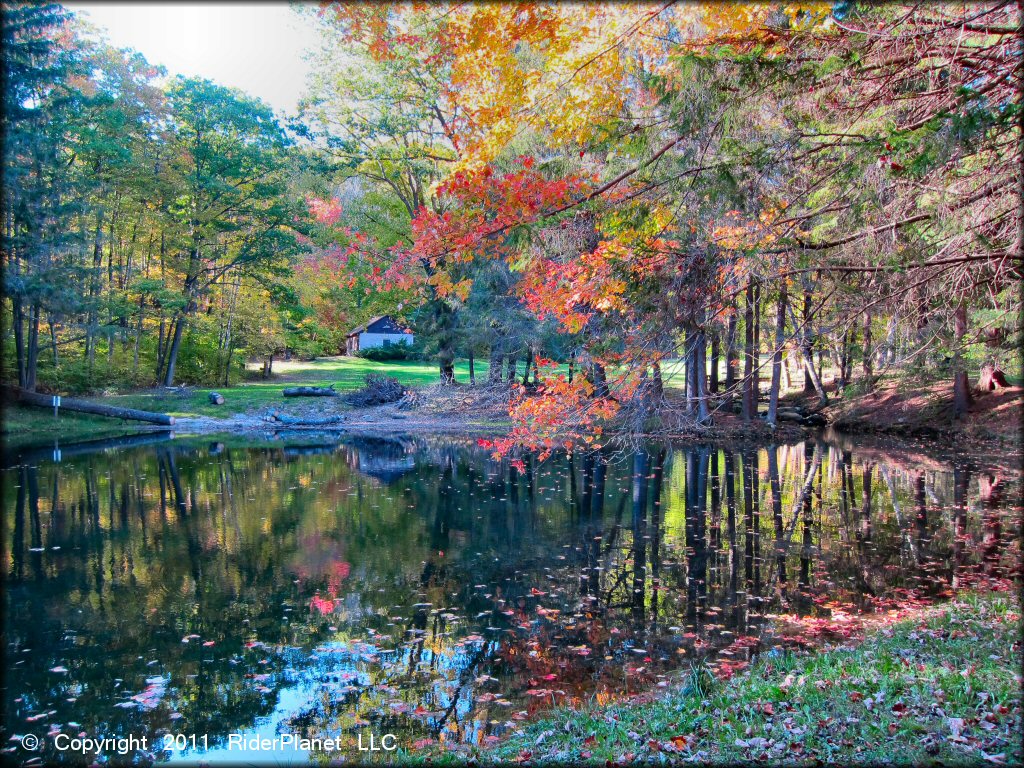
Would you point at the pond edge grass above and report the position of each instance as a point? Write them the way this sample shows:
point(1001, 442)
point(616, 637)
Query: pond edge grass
point(941, 685)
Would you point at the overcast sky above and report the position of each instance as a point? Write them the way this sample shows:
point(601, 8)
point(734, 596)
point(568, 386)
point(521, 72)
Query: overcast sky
point(256, 47)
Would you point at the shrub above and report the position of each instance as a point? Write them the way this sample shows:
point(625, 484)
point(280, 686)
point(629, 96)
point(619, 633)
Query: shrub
point(391, 352)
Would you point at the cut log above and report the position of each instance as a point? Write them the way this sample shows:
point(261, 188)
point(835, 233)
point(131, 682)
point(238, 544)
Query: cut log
point(991, 377)
point(83, 406)
point(216, 398)
point(310, 392)
point(294, 421)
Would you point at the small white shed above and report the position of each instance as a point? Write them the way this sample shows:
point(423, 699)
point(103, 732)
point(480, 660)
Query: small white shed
point(382, 331)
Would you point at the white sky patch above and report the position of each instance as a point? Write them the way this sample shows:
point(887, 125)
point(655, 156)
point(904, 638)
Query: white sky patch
point(256, 47)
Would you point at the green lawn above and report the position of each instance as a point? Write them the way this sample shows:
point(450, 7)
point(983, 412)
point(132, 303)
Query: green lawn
point(942, 687)
point(345, 373)
point(26, 426)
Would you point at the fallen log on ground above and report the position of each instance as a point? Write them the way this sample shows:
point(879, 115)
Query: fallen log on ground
point(84, 406)
point(216, 398)
point(310, 392)
point(294, 421)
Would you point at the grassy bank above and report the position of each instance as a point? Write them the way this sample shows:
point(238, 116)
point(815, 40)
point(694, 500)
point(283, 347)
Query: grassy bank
point(26, 426)
point(943, 685)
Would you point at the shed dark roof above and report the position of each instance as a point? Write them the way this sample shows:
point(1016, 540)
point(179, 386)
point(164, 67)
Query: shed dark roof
point(381, 324)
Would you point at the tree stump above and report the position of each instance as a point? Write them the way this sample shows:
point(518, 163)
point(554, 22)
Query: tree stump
point(991, 377)
point(216, 398)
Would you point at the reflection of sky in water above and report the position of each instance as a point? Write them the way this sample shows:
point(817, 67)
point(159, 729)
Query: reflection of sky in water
point(421, 588)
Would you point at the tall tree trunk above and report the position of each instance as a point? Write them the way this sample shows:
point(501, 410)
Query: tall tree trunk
point(780, 339)
point(690, 375)
point(32, 353)
point(494, 369)
point(472, 368)
point(138, 336)
point(713, 383)
point(446, 363)
point(227, 367)
point(94, 290)
point(732, 361)
point(172, 350)
point(700, 370)
point(600, 381)
point(18, 322)
point(190, 290)
point(510, 368)
point(756, 382)
point(529, 361)
point(962, 398)
point(749, 403)
point(807, 346)
point(53, 342)
point(110, 288)
point(810, 373)
point(867, 352)
point(658, 382)
point(813, 375)
point(161, 348)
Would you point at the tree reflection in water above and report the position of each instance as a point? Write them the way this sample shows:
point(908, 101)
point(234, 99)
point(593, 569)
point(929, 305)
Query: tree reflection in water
point(425, 589)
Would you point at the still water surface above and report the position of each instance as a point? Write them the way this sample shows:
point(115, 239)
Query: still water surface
point(420, 588)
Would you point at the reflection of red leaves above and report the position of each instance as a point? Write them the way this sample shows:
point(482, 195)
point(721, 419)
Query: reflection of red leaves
point(342, 570)
point(323, 605)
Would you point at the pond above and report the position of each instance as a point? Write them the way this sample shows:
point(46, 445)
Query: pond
point(200, 594)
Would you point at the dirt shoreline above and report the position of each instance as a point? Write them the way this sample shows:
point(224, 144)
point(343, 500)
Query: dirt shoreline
point(912, 427)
